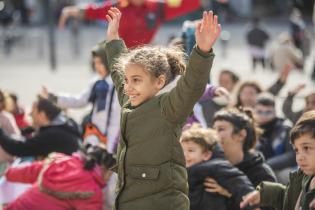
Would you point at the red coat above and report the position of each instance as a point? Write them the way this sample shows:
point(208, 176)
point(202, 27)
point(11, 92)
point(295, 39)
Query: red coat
point(60, 183)
point(139, 24)
point(20, 120)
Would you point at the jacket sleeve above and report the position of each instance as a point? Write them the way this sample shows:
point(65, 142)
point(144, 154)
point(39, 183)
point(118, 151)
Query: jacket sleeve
point(295, 55)
point(234, 180)
point(114, 49)
point(272, 194)
point(287, 109)
point(75, 101)
point(96, 11)
point(179, 102)
point(34, 146)
point(185, 7)
point(24, 174)
point(275, 88)
point(209, 93)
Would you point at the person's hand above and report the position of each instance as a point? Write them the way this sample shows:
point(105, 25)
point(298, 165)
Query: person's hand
point(251, 199)
point(221, 91)
point(66, 13)
point(284, 73)
point(207, 31)
point(44, 93)
point(212, 186)
point(113, 18)
point(297, 89)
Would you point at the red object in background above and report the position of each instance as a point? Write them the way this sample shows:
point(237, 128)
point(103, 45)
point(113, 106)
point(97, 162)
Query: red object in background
point(63, 176)
point(139, 24)
point(20, 120)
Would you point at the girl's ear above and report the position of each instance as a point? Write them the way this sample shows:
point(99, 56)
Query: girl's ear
point(242, 135)
point(161, 80)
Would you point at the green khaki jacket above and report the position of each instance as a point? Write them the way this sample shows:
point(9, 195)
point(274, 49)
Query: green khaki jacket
point(151, 165)
point(283, 197)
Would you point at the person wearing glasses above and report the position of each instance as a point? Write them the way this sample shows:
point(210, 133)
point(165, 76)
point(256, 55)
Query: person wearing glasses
point(274, 142)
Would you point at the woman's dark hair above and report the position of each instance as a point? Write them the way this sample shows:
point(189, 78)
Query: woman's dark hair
point(252, 84)
point(48, 107)
point(304, 126)
point(97, 155)
point(240, 119)
point(233, 76)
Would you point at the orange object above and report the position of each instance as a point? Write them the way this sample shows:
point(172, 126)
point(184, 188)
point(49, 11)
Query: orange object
point(92, 130)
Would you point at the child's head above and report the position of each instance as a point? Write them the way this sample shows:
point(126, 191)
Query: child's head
point(228, 79)
point(303, 140)
point(148, 69)
point(99, 60)
point(97, 155)
point(198, 144)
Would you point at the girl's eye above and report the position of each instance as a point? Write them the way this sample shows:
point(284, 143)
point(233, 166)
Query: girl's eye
point(136, 80)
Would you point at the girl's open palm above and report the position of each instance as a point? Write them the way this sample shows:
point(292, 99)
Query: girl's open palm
point(113, 18)
point(207, 31)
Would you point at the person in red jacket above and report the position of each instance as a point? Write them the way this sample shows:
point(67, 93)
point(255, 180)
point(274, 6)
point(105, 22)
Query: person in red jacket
point(140, 20)
point(63, 182)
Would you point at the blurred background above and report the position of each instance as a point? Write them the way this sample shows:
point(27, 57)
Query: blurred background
point(35, 52)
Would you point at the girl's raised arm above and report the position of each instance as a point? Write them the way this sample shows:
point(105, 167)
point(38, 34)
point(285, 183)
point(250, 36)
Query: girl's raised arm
point(178, 104)
point(114, 48)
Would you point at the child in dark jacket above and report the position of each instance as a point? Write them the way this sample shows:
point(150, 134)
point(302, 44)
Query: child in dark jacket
point(300, 191)
point(198, 145)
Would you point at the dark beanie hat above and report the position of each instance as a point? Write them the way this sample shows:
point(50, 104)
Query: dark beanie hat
point(99, 50)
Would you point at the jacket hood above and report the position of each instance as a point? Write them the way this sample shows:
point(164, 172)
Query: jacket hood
point(169, 86)
point(250, 159)
point(66, 123)
point(64, 177)
point(99, 50)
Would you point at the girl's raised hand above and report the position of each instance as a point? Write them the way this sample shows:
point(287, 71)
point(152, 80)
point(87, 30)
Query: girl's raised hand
point(113, 18)
point(207, 31)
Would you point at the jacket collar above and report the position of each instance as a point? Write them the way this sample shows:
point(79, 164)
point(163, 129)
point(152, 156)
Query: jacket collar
point(169, 86)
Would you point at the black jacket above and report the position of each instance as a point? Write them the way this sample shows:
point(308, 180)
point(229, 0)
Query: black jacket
point(275, 145)
point(255, 168)
point(60, 136)
point(225, 174)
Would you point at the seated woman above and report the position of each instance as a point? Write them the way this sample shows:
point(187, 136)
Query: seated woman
point(238, 135)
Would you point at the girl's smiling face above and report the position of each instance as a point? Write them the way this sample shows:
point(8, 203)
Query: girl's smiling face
point(140, 85)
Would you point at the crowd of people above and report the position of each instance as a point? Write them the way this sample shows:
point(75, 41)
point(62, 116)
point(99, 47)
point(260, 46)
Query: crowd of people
point(159, 135)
